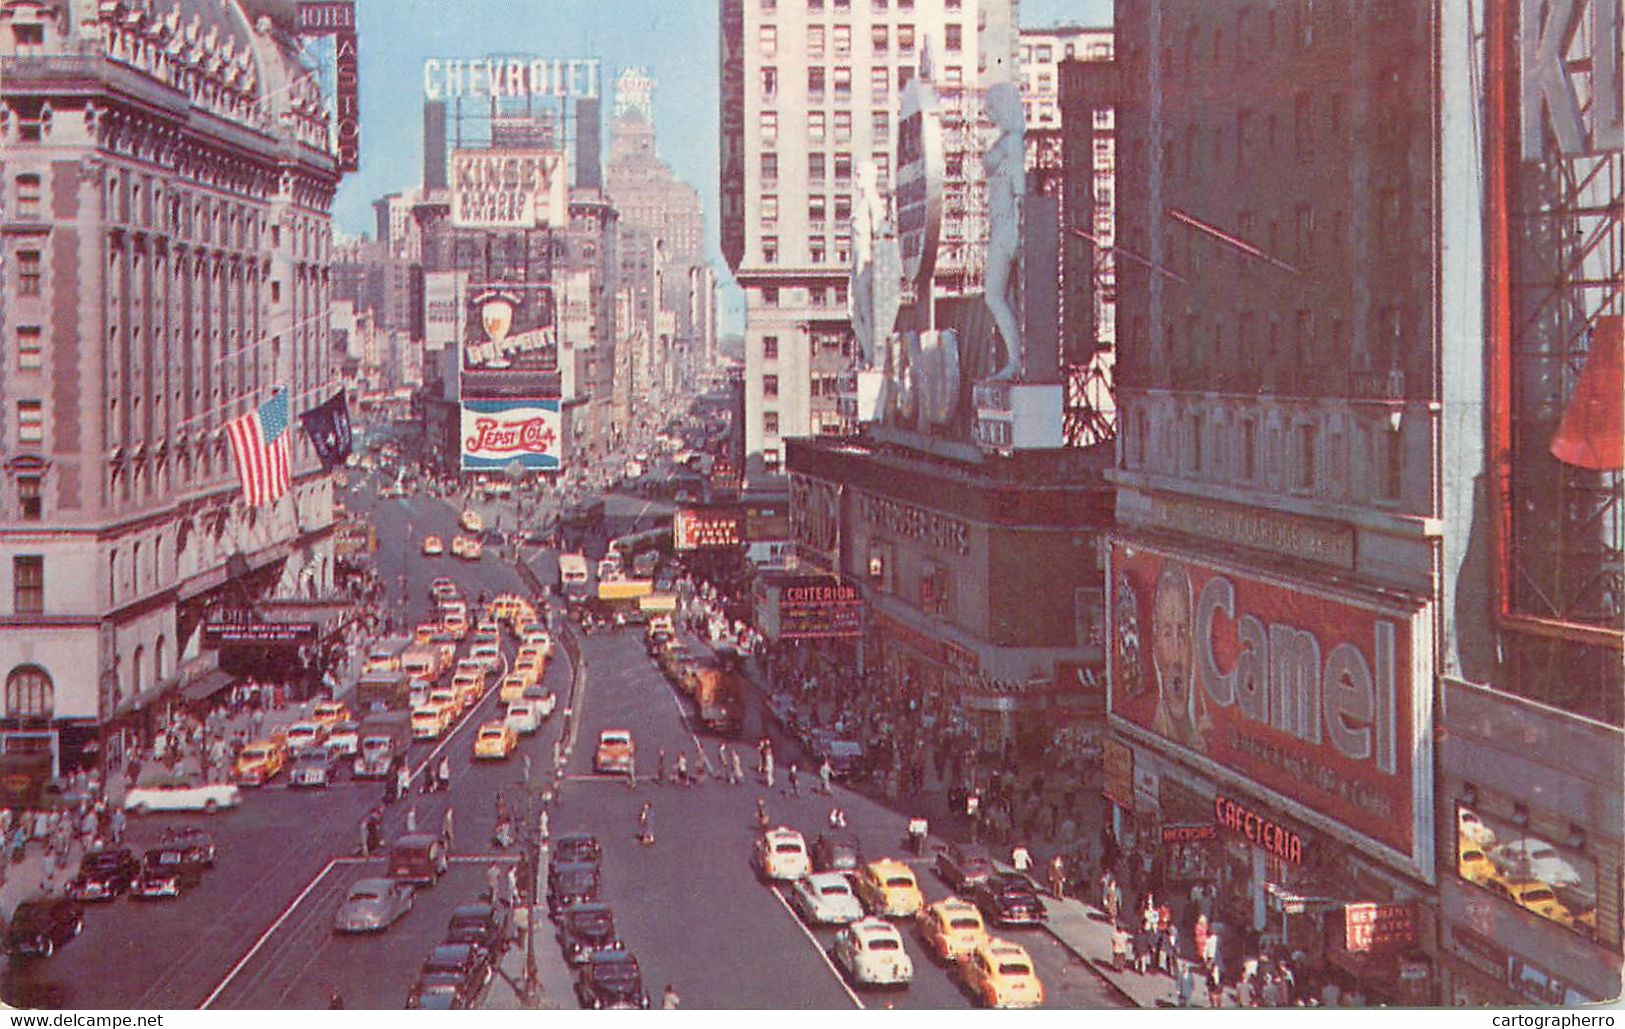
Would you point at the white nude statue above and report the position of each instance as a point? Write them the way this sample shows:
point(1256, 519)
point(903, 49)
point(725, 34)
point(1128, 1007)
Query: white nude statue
point(1005, 167)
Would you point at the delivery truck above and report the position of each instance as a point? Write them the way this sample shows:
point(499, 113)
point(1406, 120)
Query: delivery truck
point(384, 739)
point(383, 691)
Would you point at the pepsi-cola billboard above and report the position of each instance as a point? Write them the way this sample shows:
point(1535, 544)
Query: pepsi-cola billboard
point(496, 433)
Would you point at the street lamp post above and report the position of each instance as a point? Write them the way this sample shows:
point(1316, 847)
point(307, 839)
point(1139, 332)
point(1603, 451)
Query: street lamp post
point(537, 845)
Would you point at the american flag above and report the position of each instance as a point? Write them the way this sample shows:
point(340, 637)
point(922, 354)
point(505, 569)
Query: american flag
point(259, 442)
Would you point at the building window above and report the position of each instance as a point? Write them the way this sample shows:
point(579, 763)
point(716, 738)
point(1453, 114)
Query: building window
point(28, 584)
point(1393, 477)
point(882, 165)
point(1249, 450)
point(770, 348)
point(817, 248)
point(1306, 457)
point(28, 273)
point(769, 40)
point(954, 75)
point(843, 249)
point(843, 39)
point(815, 167)
point(815, 5)
point(30, 349)
point(770, 294)
point(879, 38)
point(953, 37)
point(28, 196)
point(880, 81)
point(843, 129)
point(770, 167)
point(1303, 126)
point(770, 459)
point(815, 40)
point(840, 301)
point(843, 167)
point(770, 385)
point(30, 498)
point(29, 693)
point(1045, 54)
point(770, 127)
point(905, 38)
point(816, 125)
point(770, 423)
point(843, 209)
point(770, 255)
point(770, 82)
point(769, 209)
point(30, 421)
point(29, 38)
point(880, 125)
point(815, 82)
point(843, 87)
point(816, 209)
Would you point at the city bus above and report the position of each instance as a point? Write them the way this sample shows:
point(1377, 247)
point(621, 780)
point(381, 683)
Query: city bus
point(573, 575)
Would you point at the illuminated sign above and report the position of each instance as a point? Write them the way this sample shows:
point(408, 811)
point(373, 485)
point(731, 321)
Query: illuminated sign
point(1319, 697)
point(217, 633)
point(316, 18)
point(1189, 833)
point(496, 433)
point(1378, 927)
point(511, 327)
point(696, 528)
point(336, 18)
point(1275, 838)
point(939, 530)
point(508, 189)
point(920, 168)
point(449, 78)
point(809, 608)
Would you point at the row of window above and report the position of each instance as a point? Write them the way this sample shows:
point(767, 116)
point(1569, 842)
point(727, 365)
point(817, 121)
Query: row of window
point(1044, 53)
point(818, 209)
point(817, 296)
point(879, 86)
point(839, 39)
point(846, 5)
point(819, 165)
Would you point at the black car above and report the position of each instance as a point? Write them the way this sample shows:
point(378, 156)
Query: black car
point(438, 991)
point(585, 930)
point(1006, 899)
point(962, 865)
point(480, 924)
point(105, 875)
point(837, 852)
point(39, 927)
point(577, 848)
point(468, 963)
point(198, 845)
point(567, 884)
point(611, 980)
point(165, 873)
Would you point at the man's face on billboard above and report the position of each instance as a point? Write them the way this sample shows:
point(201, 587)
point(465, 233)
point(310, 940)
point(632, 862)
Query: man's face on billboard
point(1171, 641)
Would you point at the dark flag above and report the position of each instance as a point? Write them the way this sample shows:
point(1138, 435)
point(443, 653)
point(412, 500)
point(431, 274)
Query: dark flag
point(328, 425)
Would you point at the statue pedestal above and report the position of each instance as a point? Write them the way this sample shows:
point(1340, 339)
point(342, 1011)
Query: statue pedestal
point(1014, 416)
point(860, 396)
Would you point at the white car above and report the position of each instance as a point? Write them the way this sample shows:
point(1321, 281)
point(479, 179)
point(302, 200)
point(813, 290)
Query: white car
point(178, 796)
point(826, 898)
point(522, 717)
point(344, 739)
point(781, 853)
point(539, 638)
point(488, 654)
point(871, 952)
point(541, 698)
point(1532, 858)
point(1470, 827)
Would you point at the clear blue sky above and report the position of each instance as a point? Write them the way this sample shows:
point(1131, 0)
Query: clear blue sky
point(675, 39)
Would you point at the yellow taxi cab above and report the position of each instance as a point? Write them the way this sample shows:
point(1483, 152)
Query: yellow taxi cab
point(425, 632)
point(952, 928)
point(530, 671)
point(781, 853)
point(260, 761)
point(431, 721)
point(432, 547)
point(448, 647)
point(472, 549)
point(531, 652)
point(1472, 864)
point(1000, 975)
point(448, 697)
point(470, 688)
point(471, 521)
point(513, 688)
point(454, 623)
point(887, 887)
point(329, 713)
point(503, 605)
point(1531, 895)
point(495, 741)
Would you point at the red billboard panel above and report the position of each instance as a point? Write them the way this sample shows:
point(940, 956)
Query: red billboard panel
point(695, 528)
point(1314, 696)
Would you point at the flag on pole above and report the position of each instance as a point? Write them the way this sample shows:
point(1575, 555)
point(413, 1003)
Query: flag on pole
point(328, 425)
point(259, 443)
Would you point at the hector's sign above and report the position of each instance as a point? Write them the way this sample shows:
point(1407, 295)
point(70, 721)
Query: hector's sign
point(1319, 697)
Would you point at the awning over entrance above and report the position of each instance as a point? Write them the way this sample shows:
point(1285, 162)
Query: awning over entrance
point(208, 684)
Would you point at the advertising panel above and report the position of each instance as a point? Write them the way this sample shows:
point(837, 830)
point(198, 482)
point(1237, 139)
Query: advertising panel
point(814, 608)
point(508, 189)
point(496, 433)
point(1320, 698)
point(920, 168)
point(695, 528)
point(1552, 880)
point(510, 327)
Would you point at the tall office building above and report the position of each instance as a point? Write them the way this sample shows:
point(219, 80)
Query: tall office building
point(810, 93)
point(166, 186)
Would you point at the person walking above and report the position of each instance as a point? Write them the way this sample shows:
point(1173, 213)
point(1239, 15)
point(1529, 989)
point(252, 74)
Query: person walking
point(738, 777)
point(493, 882)
point(669, 1000)
point(682, 770)
point(1057, 877)
point(1020, 859)
point(826, 777)
point(660, 768)
point(403, 780)
point(1215, 987)
point(1185, 982)
point(411, 819)
point(446, 827)
point(119, 823)
point(445, 772)
point(791, 781)
point(767, 768)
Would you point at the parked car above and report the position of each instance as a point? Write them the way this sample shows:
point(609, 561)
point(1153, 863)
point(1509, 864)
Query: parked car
point(611, 981)
point(484, 925)
point(313, 769)
point(962, 865)
point(837, 852)
point(182, 795)
point(1000, 974)
point(1006, 899)
point(571, 883)
point(373, 905)
point(825, 898)
point(39, 927)
point(585, 930)
point(439, 991)
point(577, 846)
point(197, 847)
point(105, 875)
point(471, 965)
point(871, 953)
point(419, 858)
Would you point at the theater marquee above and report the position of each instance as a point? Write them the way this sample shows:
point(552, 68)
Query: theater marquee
point(1320, 698)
